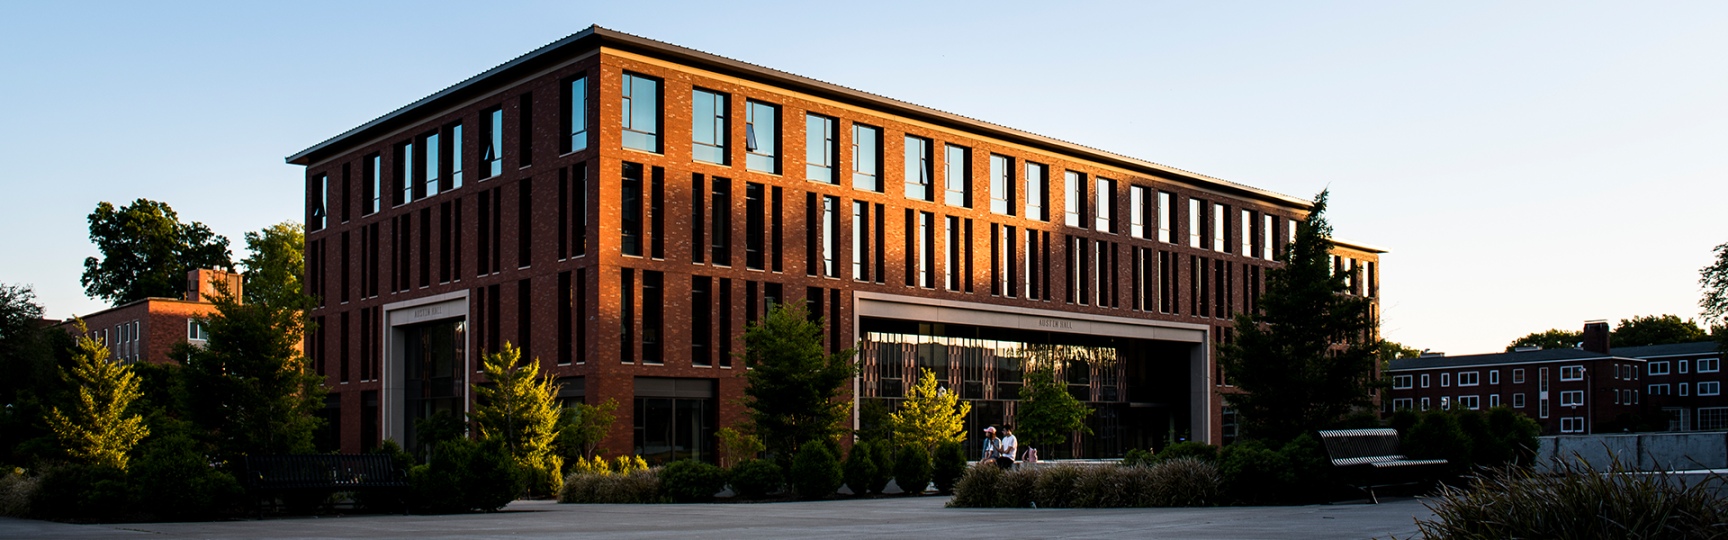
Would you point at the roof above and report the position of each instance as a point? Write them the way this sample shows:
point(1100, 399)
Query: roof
point(1526, 357)
point(595, 37)
point(1671, 349)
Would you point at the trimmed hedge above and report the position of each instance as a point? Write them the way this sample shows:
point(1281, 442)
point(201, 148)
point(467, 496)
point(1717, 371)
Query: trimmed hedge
point(859, 468)
point(815, 472)
point(1177, 482)
point(755, 478)
point(947, 466)
point(692, 481)
point(634, 487)
point(912, 469)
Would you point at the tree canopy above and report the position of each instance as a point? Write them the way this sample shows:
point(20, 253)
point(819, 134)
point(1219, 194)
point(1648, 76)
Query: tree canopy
point(930, 415)
point(1047, 413)
point(1549, 339)
point(794, 390)
point(249, 387)
point(99, 429)
point(146, 252)
point(275, 266)
point(1307, 358)
point(1655, 330)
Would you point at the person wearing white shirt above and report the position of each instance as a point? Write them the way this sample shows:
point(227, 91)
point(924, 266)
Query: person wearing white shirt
point(1008, 448)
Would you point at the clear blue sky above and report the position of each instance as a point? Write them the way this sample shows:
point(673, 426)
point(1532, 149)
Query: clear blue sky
point(1529, 165)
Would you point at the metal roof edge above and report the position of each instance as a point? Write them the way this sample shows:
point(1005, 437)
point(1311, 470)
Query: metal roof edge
point(1358, 245)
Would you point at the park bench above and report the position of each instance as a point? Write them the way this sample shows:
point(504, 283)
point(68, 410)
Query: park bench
point(1369, 457)
point(311, 475)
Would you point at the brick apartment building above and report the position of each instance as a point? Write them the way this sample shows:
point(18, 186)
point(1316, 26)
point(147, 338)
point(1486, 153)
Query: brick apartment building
point(146, 330)
point(1589, 389)
point(621, 209)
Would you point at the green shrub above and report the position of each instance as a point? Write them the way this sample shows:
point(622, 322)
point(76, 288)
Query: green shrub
point(1514, 434)
point(1054, 487)
point(1183, 482)
point(16, 490)
point(815, 472)
point(80, 493)
point(1016, 487)
point(387, 501)
point(173, 481)
point(912, 469)
point(1254, 474)
point(1578, 502)
point(465, 475)
point(947, 466)
point(977, 487)
point(883, 452)
point(1191, 449)
point(634, 487)
point(1310, 476)
point(691, 481)
point(859, 468)
point(1137, 457)
point(755, 478)
point(1101, 487)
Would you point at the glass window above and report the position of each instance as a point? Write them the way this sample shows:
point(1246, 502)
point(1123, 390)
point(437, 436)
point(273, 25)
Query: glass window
point(631, 214)
point(374, 182)
point(430, 163)
point(1401, 382)
point(1196, 220)
point(1166, 215)
point(1709, 388)
point(455, 156)
point(918, 169)
point(1518, 376)
point(1266, 226)
point(1424, 380)
point(492, 135)
point(1658, 368)
point(1136, 211)
point(1445, 379)
point(641, 113)
point(1037, 191)
point(1493, 376)
point(321, 200)
point(957, 177)
point(195, 331)
point(1470, 402)
point(1571, 398)
point(1469, 378)
point(1709, 365)
point(708, 126)
point(1102, 213)
point(1572, 373)
point(762, 137)
point(576, 113)
point(821, 148)
point(1073, 185)
point(1518, 400)
point(1247, 233)
point(1219, 237)
point(866, 158)
point(830, 232)
point(1001, 184)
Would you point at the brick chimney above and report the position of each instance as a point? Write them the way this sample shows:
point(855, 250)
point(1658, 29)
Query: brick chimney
point(1596, 336)
point(203, 285)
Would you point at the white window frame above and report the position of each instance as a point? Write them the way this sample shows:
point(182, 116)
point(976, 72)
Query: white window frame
point(1715, 365)
point(1685, 389)
point(1683, 364)
point(1402, 382)
point(1473, 403)
point(1571, 398)
point(1402, 404)
point(1572, 424)
point(1709, 388)
point(1660, 389)
point(1445, 403)
point(1424, 404)
point(1518, 376)
point(1659, 367)
point(1493, 400)
point(1445, 380)
point(1469, 378)
point(1424, 381)
point(1572, 373)
point(1493, 376)
point(1518, 400)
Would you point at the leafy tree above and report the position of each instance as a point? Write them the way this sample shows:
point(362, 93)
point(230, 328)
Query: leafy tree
point(520, 408)
point(930, 415)
point(1714, 280)
point(98, 430)
point(28, 362)
point(874, 422)
point(1655, 330)
point(737, 445)
point(249, 388)
point(794, 390)
point(273, 269)
point(147, 251)
point(1047, 413)
point(581, 427)
point(1392, 350)
point(1550, 339)
point(1307, 358)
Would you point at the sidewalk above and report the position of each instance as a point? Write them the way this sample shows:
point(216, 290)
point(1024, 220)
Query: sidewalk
point(873, 519)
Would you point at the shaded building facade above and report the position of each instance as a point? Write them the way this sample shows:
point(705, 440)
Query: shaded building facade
point(622, 208)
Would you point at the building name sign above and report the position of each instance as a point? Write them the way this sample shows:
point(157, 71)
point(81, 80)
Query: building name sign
point(1055, 323)
point(428, 312)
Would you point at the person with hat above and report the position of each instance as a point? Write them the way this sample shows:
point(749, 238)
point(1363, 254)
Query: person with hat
point(992, 445)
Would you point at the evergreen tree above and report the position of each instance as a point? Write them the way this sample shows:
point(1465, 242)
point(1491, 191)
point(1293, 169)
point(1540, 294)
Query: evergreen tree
point(98, 431)
point(147, 251)
point(794, 391)
point(930, 415)
point(249, 388)
point(1307, 358)
point(1047, 413)
point(520, 408)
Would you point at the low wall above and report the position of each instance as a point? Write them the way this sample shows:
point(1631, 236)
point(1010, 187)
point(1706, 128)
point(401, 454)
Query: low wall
point(1646, 451)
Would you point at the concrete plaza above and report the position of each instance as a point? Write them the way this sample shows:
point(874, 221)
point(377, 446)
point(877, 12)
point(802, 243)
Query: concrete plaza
point(923, 517)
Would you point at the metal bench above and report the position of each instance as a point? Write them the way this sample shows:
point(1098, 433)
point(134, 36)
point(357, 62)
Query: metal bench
point(1369, 458)
point(311, 474)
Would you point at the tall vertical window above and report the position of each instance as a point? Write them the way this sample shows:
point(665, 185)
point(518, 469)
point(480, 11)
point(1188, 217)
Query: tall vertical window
point(455, 146)
point(1137, 211)
point(957, 176)
point(762, 137)
point(721, 226)
point(951, 256)
point(918, 169)
point(631, 213)
point(1196, 221)
point(926, 248)
point(1074, 186)
point(821, 148)
point(1104, 213)
point(701, 317)
point(576, 115)
point(866, 158)
point(653, 316)
point(641, 113)
point(860, 240)
point(405, 172)
point(754, 227)
point(1266, 231)
point(1247, 233)
point(1037, 191)
point(492, 137)
point(429, 163)
point(830, 234)
point(1166, 215)
point(373, 183)
point(627, 316)
point(708, 126)
point(1220, 234)
point(320, 201)
point(1001, 184)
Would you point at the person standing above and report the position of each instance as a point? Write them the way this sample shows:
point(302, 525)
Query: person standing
point(1007, 448)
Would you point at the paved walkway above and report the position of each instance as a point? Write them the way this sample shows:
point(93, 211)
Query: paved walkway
point(874, 519)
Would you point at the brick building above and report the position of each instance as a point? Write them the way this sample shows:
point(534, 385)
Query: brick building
point(621, 209)
point(1589, 389)
point(146, 330)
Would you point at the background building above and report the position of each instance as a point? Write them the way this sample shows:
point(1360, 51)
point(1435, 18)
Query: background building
point(147, 330)
point(622, 208)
